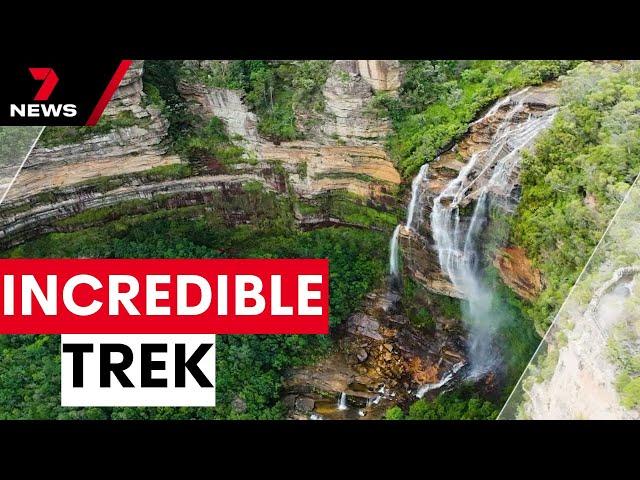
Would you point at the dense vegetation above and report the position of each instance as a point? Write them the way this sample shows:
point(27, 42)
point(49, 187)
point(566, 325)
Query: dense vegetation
point(571, 183)
point(461, 404)
point(439, 98)
point(623, 351)
point(15, 142)
point(250, 367)
point(577, 176)
point(276, 90)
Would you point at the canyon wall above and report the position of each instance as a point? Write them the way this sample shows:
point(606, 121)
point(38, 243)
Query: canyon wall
point(343, 152)
point(418, 247)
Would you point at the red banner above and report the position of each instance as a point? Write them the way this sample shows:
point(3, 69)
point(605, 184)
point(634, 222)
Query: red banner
point(230, 296)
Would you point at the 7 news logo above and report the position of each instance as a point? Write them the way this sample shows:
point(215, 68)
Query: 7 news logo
point(49, 81)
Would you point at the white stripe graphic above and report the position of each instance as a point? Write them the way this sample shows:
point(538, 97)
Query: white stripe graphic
point(21, 165)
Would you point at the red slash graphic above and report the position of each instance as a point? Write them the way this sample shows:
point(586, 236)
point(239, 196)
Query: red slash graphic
point(49, 81)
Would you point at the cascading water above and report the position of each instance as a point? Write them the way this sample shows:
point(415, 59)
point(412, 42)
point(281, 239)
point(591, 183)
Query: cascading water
point(394, 261)
point(412, 222)
point(445, 379)
point(456, 240)
point(415, 195)
point(342, 403)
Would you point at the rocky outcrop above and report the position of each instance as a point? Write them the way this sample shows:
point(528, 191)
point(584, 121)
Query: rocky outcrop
point(382, 75)
point(517, 272)
point(129, 94)
point(28, 217)
point(32, 181)
point(476, 152)
point(381, 360)
point(144, 139)
point(421, 260)
point(348, 97)
point(334, 167)
point(227, 105)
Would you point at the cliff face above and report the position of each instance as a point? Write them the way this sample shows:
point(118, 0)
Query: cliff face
point(345, 144)
point(227, 105)
point(348, 94)
point(580, 373)
point(382, 75)
point(343, 151)
point(475, 155)
point(517, 272)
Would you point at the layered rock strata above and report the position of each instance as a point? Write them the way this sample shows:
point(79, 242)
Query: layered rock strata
point(322, 164)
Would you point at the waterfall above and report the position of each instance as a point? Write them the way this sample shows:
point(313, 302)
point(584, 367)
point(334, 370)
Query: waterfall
point(394, 261)
point(342, 404)
point(411, 223)
point(456, 239)
point(445, 379)
point(415, 195)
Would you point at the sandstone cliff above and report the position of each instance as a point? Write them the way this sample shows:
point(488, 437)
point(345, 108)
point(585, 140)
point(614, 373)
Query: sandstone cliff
point(342, 153)
point(418, 247)
point(346, 143)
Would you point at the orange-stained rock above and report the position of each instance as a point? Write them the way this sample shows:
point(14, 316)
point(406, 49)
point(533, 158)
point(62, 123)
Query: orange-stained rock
point(518, 273)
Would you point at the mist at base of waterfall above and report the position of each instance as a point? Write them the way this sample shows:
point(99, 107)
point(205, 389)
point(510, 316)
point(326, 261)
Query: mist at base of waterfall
point(482, 323)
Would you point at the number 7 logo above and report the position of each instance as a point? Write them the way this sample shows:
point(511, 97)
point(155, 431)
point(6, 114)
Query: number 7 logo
point(49, 81)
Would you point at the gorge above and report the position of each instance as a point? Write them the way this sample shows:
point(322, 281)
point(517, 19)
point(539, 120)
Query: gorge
point(488, 180)
point(268, 159)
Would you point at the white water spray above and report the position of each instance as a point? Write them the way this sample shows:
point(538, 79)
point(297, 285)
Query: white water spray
point(412, 222)
point(342, 404)
point(445, 379)
point(415, 197)
point(456, 240)
point(394, 260)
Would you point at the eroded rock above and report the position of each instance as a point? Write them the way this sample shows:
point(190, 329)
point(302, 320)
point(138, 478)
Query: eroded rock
point(517, 272)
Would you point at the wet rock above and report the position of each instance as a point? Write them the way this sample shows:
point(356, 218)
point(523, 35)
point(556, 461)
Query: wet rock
point(332, 374)
point(387, 302)
point(418, 249)
point(289, 401)
point(305, 404)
